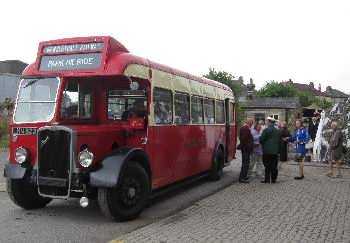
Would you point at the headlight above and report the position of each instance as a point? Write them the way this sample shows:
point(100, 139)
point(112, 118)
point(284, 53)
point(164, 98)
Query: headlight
point(86, 158)
point(21, 155)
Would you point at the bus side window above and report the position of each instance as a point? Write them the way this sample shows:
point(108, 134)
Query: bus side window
point(196, 110)
point(182, 108)
point(220, 112)
point(162, 106)
point(209, 109)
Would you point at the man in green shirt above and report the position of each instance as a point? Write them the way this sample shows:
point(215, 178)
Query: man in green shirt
point(270, 140)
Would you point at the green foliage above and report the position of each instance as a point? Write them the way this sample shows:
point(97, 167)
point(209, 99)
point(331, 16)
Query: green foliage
point(276, 89)
point(7, 105)
point(225, 78)
point(306, 98)
point(323, 103)
point(4, 127)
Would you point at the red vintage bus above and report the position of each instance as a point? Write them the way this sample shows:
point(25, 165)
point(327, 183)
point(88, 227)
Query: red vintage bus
point(93, 121)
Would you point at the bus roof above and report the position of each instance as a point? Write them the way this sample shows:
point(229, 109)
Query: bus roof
point(96, 56)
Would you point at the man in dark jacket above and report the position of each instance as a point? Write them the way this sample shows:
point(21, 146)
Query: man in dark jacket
point(246, 146)
point(313, 127)
point(270, 140)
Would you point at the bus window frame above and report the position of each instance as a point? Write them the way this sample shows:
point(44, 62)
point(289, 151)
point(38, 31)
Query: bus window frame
point(224, 112)
point(172, 107)
point(189, 108)
point(93, 117)
point(204, 120)
point(202, 103)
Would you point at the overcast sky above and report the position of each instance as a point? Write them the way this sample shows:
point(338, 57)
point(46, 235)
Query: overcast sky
point(304, 40)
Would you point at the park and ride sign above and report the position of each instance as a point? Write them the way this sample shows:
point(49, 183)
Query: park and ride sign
point(76, 56)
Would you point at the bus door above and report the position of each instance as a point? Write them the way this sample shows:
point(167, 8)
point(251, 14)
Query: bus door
point(231, 130)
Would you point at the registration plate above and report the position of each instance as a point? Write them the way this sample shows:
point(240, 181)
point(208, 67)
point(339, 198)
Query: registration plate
point(24, 130)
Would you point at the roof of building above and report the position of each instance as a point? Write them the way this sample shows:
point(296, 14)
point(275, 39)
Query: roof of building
point(273, 102)
point(335, 93)
point(12, 66)
point(306, 87)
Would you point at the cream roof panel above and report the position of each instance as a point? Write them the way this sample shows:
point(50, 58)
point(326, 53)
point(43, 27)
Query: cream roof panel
point(136, 70)
point(162, 79)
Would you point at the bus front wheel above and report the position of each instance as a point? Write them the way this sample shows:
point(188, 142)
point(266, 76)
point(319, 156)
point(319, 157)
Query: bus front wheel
point(128, 199)
point(216, 171)
point(25, 195)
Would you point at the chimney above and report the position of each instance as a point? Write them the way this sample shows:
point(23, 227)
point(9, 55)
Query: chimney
point(251, 89)
point(319, 87)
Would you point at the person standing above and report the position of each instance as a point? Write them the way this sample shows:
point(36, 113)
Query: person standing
point(284, 145)
point(335, 149)
point(256, 158)
point(299, 138)
point(246, 147)
point(270, 140)
point(313, 127)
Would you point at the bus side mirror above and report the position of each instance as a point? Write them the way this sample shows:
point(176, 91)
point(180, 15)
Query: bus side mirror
point(137, 123)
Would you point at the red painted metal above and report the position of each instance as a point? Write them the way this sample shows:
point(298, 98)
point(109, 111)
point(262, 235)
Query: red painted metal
point(175, 152)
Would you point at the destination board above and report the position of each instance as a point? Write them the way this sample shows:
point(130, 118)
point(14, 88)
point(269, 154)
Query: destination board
point(83, 47)
point(71, 62)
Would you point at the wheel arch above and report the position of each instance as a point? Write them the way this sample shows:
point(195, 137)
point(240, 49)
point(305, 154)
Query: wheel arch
point(112, 166)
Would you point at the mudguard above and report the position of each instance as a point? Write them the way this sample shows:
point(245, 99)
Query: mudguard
point(107, 176)
point(14, 171)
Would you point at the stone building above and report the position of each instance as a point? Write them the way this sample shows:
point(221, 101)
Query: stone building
point(336, 96)
point(10, 72)
point(282, 109)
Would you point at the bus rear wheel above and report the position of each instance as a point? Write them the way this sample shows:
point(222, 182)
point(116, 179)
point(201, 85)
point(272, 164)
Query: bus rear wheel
point(128, 199)
point(25, 195)
point(216, 171)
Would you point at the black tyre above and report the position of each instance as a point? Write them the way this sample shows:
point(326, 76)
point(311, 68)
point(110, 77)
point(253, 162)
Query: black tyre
point(25, 195)
point(216, 171)
point(128, 199)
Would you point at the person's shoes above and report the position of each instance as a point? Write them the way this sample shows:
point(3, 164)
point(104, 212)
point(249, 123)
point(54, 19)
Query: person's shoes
point(243, 181)
point(298, 177)
point(266, 182)
point(339, 176)
point(273, 182)
point(330, 175)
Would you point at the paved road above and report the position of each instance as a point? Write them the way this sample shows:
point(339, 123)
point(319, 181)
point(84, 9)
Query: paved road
point(65, 221)
point(316, 209)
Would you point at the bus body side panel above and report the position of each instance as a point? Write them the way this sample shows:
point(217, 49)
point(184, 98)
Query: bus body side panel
point(161, 148)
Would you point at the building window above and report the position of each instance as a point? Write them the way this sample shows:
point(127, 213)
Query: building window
point(209, 109)
point(196, 110)
point(182, 108)
point(220, 112)
point(259, 117)
point(162, 106)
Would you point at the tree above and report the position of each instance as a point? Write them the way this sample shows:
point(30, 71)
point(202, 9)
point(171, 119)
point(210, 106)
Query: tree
point(275, 89)
point(323, 103)
point(7, 105)
point(225, 78)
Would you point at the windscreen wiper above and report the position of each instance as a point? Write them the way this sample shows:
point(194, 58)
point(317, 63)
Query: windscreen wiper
point(31, 82)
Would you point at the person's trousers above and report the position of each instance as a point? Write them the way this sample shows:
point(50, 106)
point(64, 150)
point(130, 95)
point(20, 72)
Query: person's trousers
point(271, 171)
point(256, 160)
point(245, 165)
